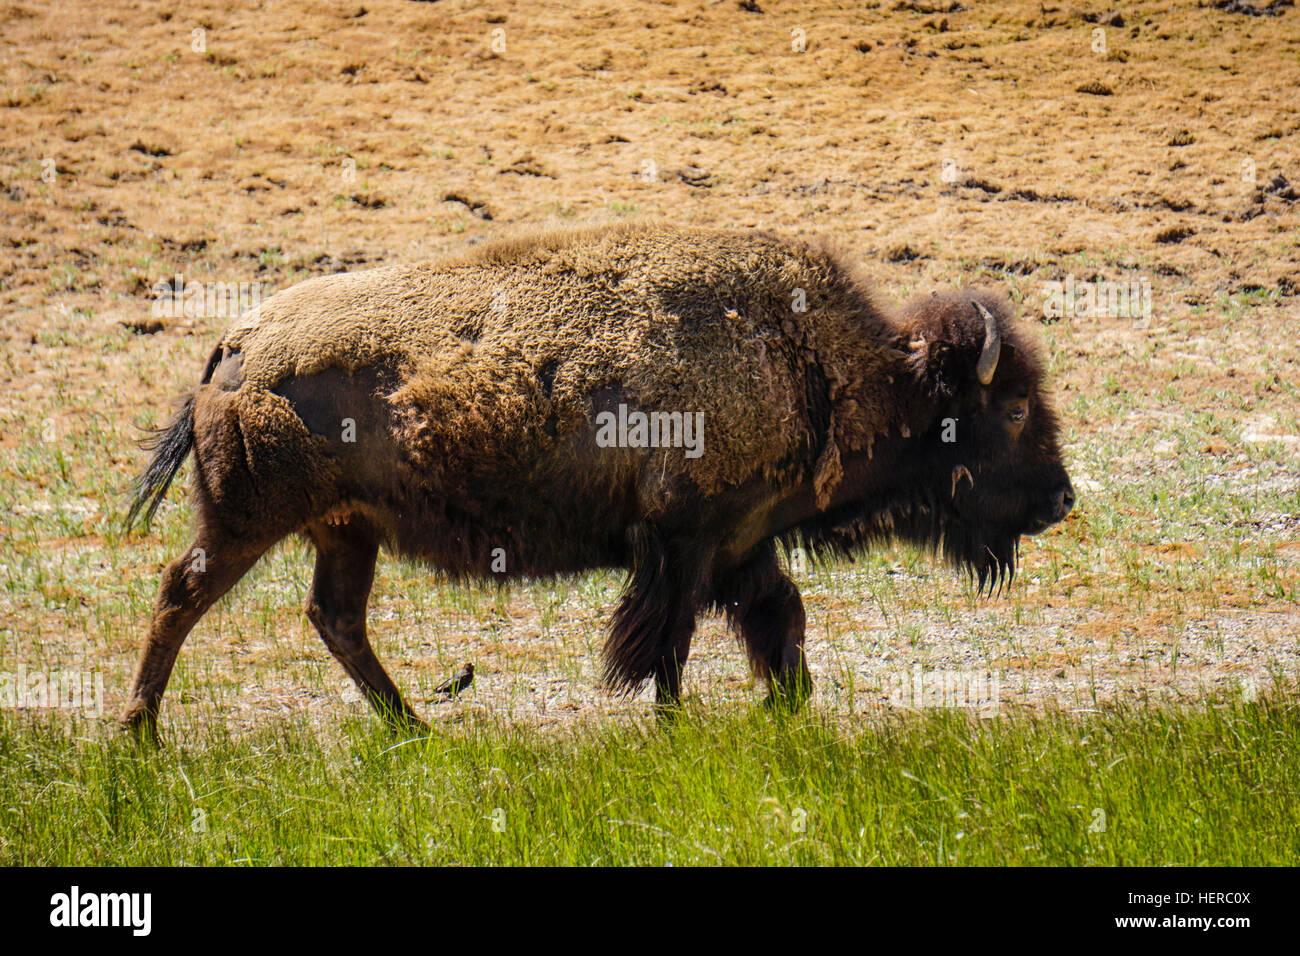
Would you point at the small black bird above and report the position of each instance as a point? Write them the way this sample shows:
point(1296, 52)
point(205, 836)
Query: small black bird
point(464, 677)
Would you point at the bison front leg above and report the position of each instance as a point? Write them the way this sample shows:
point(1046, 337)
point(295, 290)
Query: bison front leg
point(779, 622)
point(655, 620)
point(651, 639)
point(336, 605)
point(668, 669)
point(765, 608)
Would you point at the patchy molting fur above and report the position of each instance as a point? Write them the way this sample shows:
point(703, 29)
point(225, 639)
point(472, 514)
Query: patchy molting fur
point(472, 383)
point(674, 319)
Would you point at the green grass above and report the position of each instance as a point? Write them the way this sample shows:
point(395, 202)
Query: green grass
point(1211, 784)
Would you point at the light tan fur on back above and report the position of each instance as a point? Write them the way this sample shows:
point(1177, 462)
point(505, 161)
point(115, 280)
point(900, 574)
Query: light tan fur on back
point(672, 319)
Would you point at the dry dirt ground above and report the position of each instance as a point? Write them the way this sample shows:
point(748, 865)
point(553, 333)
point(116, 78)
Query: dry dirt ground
point(1012, 144)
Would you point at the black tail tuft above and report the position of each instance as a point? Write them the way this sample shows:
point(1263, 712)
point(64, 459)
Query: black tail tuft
point(170, 445)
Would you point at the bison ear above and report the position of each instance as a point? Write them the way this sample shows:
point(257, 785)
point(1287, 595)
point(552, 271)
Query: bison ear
point(938, 366)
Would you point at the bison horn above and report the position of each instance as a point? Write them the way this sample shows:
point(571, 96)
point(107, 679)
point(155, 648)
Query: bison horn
point(958, 473)
point(988, 363)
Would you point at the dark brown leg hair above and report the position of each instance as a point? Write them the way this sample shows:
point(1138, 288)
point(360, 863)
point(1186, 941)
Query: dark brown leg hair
point(336, 604)
point(765, 608)
point(190, 585)
point(668, 669)
point(653, 624)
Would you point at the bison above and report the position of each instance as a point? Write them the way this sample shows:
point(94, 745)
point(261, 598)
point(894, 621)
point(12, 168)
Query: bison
point(669, 401)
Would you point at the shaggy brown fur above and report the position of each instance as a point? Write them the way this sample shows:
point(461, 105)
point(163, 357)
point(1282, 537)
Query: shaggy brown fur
point(673, 319)
point(448, 411)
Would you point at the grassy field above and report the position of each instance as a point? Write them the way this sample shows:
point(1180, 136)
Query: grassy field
point(1211, 784)
point(1146, 656)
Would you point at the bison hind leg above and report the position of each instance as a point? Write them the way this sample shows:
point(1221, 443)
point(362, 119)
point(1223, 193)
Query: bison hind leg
point(651, 632)
point(347, 547)
point(764, 607)
point(191, 584)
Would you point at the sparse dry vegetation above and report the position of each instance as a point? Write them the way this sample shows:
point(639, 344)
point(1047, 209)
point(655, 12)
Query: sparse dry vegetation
point(942, 147)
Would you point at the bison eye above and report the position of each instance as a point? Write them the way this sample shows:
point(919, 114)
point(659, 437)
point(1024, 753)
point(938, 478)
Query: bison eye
point(1017, 415)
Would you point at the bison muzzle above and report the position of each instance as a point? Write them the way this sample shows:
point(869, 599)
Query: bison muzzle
point(518, 410)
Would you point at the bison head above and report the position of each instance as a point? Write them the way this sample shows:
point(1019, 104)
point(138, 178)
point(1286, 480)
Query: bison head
point(988, 464)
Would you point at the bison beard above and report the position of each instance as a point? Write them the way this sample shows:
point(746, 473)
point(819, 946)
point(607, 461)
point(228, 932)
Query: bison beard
point(988, 553)
point(447, 411)
point(986, 548)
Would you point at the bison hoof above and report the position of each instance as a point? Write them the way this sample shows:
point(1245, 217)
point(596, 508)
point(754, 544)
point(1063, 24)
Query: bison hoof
point(405, 724)
point(669, 712)
point(789, 695)
point(142, 724)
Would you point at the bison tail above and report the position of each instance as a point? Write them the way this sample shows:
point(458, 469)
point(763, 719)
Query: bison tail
point(170, 445)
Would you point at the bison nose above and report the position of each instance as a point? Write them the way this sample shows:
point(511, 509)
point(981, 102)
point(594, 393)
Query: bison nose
point(1064, 501)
